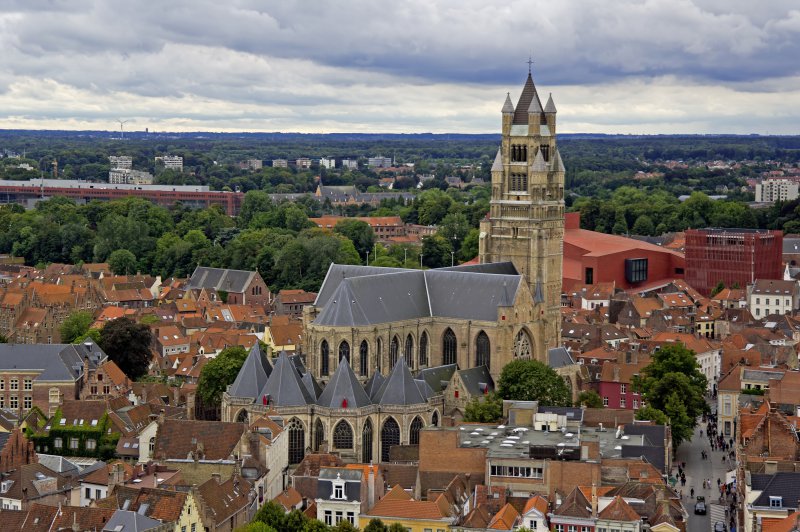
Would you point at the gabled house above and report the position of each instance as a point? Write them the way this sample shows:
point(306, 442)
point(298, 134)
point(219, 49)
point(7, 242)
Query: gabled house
point(231, 286)
point(32, 483)
point(340, 496)
point(534, 515)
point(574, 514)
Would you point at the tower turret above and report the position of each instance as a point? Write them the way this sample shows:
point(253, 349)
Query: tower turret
point(550, 114)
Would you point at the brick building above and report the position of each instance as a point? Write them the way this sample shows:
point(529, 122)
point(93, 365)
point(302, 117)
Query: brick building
point(241, 287)
point(733, 256)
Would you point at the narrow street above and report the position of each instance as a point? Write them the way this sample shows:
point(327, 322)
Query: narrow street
point(698, 469)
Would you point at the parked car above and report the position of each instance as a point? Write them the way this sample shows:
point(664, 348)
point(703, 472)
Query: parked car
point(700, 506)
point(719, 526)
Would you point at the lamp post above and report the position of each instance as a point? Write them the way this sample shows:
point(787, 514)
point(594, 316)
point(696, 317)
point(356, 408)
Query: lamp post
point(420, 260)
point(405, 256)
point(367, 257)
point(452, 258)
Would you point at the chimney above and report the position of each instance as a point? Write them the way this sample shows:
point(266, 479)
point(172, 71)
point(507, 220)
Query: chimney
point(594, 500)
point(371, 486)
point(161, 417)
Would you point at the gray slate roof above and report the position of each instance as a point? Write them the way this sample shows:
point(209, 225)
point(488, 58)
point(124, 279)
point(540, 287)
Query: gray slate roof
point(524, 103)
point(437, 377)
point(550, 107)
point(559, 164)
point(558, 357)
point(338, 272)
point(400, 387)
point(496, 268)
point(57, 362)
point(426, 391)
point(508, 107)
point(536, 105)
point(782, 484)
point(311, 384)
point(284, 386)
point(343, 386)
point(413, 294)
point(253, 375)
point(538, 163)
point(791, 245)
point(497, 165)
point(374, 384)
point(130, 522)
point(477, 380)
point(220, 279)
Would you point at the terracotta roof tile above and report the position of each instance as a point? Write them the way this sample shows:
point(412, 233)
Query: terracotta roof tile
point(505, 519)
point(178, 438)
point(619, 510)
point(289, 498)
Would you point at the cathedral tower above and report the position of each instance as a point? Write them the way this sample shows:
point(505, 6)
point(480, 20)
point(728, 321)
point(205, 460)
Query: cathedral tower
point(525, 224)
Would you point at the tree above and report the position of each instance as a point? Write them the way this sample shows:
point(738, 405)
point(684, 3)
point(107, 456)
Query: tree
point(344, 526)
point(436, 251)
point(271, 514)
point(649, 413)
point(643, 226)
point(673, 384)
point(375, 525)
point(360, 233)
point(218, 373)
point(3, 339)
point(75, 326)
point(488, 409)
point(590, 399)
point(127, 343)
point(122, 262)
point(314, 525)
point(717, 289)
point(396, 527)
point(256, 526)
point(531, 380)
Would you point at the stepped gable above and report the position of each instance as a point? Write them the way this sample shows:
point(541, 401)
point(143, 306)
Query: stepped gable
point(374, 384)
point(285, 386)
point(253, 375)
point(400, 387)
point(343, 390)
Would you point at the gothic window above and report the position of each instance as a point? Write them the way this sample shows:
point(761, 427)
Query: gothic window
point(482, 350)
point(380, 354)
point(297, 441)
point(519, 153)
point(519, 182)
point(394, 348)
point(423, 349)
point(413, 432)
point(344, 351)
point(323, 358)
point(449, 347)
point(545, 152)
point(319, 434)
point(366, 442)
point(435, 419)
point(363, 358)
point(409, 352)
point(522, 345)
point(343, 435)
point(390, 435)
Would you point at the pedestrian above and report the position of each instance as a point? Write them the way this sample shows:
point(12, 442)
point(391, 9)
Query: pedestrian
point(719, 482)
point(691, 493)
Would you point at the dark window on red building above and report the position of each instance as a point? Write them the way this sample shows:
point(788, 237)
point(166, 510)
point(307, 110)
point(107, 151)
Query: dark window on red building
point(589, 277)
point(635, 270)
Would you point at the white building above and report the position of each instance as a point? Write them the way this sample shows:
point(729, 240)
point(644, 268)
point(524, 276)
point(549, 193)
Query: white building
point(772, 296)
point(121, 161)
point(171, 162)
point(379, 162)
point(339, 495)
point(126, 176)
point(772, 190)
point(328, 162)
point(280, 163)
point(303, 163)
point(350, 164)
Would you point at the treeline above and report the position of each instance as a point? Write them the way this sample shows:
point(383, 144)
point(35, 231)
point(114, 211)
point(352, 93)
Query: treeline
point(276, 239)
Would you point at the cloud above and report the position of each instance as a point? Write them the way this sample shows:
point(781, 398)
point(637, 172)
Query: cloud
point(417, 65)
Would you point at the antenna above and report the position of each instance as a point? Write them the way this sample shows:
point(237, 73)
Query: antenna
point(121, 128)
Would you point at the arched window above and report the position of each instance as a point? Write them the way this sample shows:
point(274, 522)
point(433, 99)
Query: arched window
point(435, 419)
point(323, 358)
point(394, 348)
point(344, 351)
point(482, 350)
point(409, 352)
point(413, 432)
point(297, 441)
point(379, 355)
point(366, 442)
point(363, 358)
point(449, 347)
point(342, 435)
point(152, 445)
point(242, 417)
point(522, 345)
point(390, 435)
point(423, 349)
point(319, 434)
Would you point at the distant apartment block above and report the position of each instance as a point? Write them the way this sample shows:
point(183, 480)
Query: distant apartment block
point(171, 162)
point(126, 176)
point(124, 162)
point(350, 164)
point(379, 162)
point(327, 162)
point(772, 190)
point(254, 165)
point(303, 163)
point(280, 163)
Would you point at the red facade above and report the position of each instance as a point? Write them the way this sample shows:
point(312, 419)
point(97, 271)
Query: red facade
point(732, 256)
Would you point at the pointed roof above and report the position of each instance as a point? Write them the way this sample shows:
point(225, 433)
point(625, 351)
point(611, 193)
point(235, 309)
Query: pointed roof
point(559, 164)
point(497, 165)
point(505, 519)
point(574, 505)
point(424, 388)
point(537, 503)
point(311, 384)
point(253, 375)
point(538, 163)
point(524, 103)
point(284, 386)
point(508, 107)
point(344, 386)
point(538, 292)
point(619, 510)
point(373, 384)
point(550, 107)
point(400, 388)
point(536, 106)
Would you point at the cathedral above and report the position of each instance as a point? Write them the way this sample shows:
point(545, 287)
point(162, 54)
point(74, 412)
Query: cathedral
point(389, 351)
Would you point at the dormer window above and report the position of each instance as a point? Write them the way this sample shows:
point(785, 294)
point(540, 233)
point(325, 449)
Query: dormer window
point(338, 491)
point(775, 501)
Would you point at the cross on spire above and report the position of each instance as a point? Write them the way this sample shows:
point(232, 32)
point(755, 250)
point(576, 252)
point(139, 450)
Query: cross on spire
point(530, 62)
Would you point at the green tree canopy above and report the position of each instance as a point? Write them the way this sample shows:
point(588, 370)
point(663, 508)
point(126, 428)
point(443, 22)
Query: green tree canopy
point(218, 373)
point(360, 233)
point(531, 380)
point(488, 409)
point(75, 326)
point(589, 399)
point(122, 262)
point(375, 525)
point(127, 343)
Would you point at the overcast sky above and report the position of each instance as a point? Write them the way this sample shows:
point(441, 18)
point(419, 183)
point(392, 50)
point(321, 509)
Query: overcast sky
point(613, 66)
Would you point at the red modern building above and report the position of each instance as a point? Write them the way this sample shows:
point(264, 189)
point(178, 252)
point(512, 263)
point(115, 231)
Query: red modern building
point(732, 256)
point(591, 257)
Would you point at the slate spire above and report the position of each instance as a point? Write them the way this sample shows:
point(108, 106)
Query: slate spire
point(284, 386)
point(343, 390)
point(550, 107)
point(400, 387)
point(508, 107)
point(253, 375)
